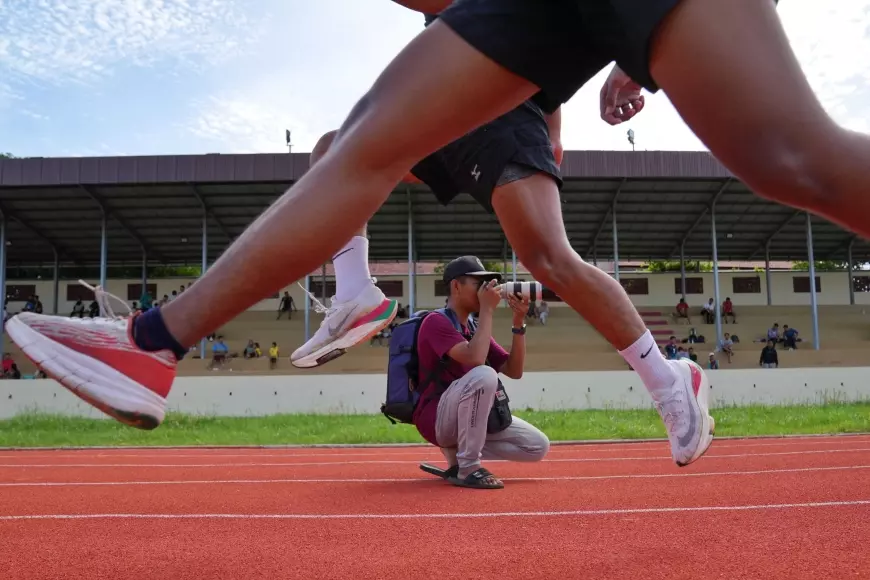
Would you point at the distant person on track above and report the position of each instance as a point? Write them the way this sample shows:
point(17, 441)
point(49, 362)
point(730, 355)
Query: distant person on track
point(453, 410)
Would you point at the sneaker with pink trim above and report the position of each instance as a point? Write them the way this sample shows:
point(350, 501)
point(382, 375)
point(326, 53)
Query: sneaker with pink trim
point(345, 325)
point(97, 359)
point(685, 412)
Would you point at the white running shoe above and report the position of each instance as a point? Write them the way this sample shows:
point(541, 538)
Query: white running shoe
point(686, 414)
point(345, 325)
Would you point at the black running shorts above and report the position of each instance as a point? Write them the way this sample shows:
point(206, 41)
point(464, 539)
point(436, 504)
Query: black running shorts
point(476, 162)
point(560, 44)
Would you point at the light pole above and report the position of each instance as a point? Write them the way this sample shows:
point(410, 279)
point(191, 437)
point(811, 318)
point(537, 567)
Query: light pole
point(631, 138)
point(289, 144)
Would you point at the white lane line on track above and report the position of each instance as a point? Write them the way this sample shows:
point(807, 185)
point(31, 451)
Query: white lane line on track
point(421, 453)
point(707, 457)
point(541, 514)
point(429, 479)
point(556, 448)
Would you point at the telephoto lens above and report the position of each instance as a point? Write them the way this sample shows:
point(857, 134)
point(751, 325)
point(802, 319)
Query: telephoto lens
point(526, 291)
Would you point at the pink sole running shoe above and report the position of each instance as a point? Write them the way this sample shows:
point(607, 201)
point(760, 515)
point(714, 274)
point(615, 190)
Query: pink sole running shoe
point(97, 359)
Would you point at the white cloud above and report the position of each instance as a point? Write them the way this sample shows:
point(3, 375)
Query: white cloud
point(57, 41)
point(829, 38)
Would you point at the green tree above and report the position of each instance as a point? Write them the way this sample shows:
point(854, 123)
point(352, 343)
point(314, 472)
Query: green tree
point(674, 266)
point(6, 156)
point(491, 266)
point(824, 266)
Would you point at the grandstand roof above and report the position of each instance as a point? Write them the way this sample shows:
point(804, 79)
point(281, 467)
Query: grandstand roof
point(156, 203)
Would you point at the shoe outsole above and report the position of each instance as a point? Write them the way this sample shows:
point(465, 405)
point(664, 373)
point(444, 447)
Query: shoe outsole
point(65, 366)
point(353, 338)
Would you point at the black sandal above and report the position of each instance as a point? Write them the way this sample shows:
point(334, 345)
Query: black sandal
point(476, 480)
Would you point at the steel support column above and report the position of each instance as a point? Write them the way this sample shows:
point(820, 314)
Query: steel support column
point(683, 270)
point(307, 307)
point(851, 275)
point(144, 276)
point(514, 265)
point(717, 302)
point(203, 341)
point(813, 300)
point(412, 264)
point(3, 280)
point(104, 250)
point(767, 274)
point(615, 245)
point(56, 282)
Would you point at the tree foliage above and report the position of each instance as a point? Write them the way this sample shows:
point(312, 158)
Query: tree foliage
point(491, 266)
point(674, 266)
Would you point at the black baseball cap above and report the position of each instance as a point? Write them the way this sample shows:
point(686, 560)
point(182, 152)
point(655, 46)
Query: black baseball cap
point(468, 266)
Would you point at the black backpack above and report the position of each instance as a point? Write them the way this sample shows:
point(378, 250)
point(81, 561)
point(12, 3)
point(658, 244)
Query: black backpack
point(403, 366)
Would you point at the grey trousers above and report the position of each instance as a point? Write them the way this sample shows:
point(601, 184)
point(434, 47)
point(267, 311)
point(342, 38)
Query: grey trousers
point(460, 425)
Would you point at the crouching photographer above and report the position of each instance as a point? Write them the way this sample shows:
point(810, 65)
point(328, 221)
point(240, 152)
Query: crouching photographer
point(463, 407)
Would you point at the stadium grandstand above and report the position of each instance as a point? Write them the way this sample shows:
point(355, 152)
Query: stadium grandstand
point(667, 225)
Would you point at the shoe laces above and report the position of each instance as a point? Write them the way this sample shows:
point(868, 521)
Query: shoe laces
point(319, 307)
point(671, 409)
point(103, 298)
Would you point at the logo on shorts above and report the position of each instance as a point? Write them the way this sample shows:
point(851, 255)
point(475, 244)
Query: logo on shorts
point(475, 173)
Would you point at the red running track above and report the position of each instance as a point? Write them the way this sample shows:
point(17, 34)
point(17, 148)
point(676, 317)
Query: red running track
point(781, 508)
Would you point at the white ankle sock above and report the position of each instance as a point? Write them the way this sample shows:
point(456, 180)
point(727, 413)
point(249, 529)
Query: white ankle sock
point(656, 372)
point(352, 269)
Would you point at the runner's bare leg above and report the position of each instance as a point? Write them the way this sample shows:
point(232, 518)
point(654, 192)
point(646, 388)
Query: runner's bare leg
point(751, 104)
point(443, 87)
point(530, 213)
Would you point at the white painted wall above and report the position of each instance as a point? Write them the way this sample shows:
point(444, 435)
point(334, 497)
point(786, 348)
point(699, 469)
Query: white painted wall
point(835, 290)
point(355, 394)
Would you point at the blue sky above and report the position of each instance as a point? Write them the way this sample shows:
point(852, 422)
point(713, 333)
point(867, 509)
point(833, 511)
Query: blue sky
point(129, 77)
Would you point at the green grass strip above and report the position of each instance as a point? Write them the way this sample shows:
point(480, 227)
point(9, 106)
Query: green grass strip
point(37, 430)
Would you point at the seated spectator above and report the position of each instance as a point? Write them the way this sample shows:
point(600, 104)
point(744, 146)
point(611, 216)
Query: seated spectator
point(769, 358)
point(789, 337)
point(708, 311)
point(249, 350)
point(693, 338)
point(682, 311)
point(532, 312)
point(543, 312)
point(727, 346)
point(78, 310)
point(30, 305)
point(773, 332)
point(692, 356)
point(13, 372)
point(7, 363)
point(728, 310)
point(258, 352)
point(273, 355)
point(94, 309)
point(671, 349)
point(681, 353)
point(713, 363)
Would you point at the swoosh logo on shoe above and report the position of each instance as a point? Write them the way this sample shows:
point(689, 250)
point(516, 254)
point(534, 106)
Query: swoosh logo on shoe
point(686, 440)
point(335, 330)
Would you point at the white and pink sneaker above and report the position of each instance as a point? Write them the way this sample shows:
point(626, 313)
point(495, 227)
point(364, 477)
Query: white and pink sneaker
point(345, 325)
point(686, 414)
point(97, 359)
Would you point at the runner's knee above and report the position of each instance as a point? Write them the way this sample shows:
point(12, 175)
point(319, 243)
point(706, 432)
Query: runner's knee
point(551, 266)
